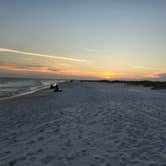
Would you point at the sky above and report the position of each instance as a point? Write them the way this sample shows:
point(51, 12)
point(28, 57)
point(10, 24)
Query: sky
point(83, 39)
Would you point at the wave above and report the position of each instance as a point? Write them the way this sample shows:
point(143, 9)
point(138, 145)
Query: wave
point(14, 87)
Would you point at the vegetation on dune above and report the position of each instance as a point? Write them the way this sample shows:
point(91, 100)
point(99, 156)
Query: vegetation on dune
point(155, 85)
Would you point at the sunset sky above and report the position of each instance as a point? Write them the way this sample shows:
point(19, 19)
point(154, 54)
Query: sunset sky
point(84, 39)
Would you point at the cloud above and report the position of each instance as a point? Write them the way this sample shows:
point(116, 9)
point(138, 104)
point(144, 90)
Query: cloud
point(143, 67)
point(38, 69)
point(94, 50)
point(91, 50)
point(40, 55)
point(46, 71)
point(162, 76)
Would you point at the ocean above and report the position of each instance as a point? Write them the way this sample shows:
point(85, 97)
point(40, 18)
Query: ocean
point(11, 87)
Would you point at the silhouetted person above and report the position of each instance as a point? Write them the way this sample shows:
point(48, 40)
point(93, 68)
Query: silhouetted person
point(56, 88)
point(52, 86)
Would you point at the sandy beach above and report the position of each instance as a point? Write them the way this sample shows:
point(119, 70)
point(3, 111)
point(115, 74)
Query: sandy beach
point(87, 124)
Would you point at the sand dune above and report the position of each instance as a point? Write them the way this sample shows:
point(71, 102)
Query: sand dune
point(87, 124)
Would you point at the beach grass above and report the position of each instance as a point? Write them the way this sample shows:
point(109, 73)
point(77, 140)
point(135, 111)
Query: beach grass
point(155, 85)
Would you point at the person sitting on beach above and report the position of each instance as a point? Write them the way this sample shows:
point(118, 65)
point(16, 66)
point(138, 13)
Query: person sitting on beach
point(52, 86)
point(56, 88)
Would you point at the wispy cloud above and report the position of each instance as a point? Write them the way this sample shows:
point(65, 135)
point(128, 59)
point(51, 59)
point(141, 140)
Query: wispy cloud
point(32, 70)
point(94, 50)
point(56, 71)
point(91, 50)
point(143, 67)
point(159, 77)
point(40, 55)
point(28, 69)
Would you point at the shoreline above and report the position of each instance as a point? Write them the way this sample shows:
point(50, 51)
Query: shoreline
point(28, 92)
point(23, 94)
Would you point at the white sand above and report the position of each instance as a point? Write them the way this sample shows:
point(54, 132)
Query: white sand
point(88, 124)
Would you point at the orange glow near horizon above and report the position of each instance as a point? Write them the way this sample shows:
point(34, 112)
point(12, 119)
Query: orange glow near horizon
point(71, 72)
point(21, 69)
point(109, 75)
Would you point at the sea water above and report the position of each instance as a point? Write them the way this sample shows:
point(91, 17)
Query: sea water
point(10, 87)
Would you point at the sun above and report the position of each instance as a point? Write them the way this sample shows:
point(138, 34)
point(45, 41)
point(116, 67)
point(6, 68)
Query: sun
point(108, 75)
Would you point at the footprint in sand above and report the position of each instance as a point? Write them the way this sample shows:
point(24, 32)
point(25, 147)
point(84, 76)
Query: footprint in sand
point(40, 138)
point(39, 151)
point(47, 159)
point(99, 159)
